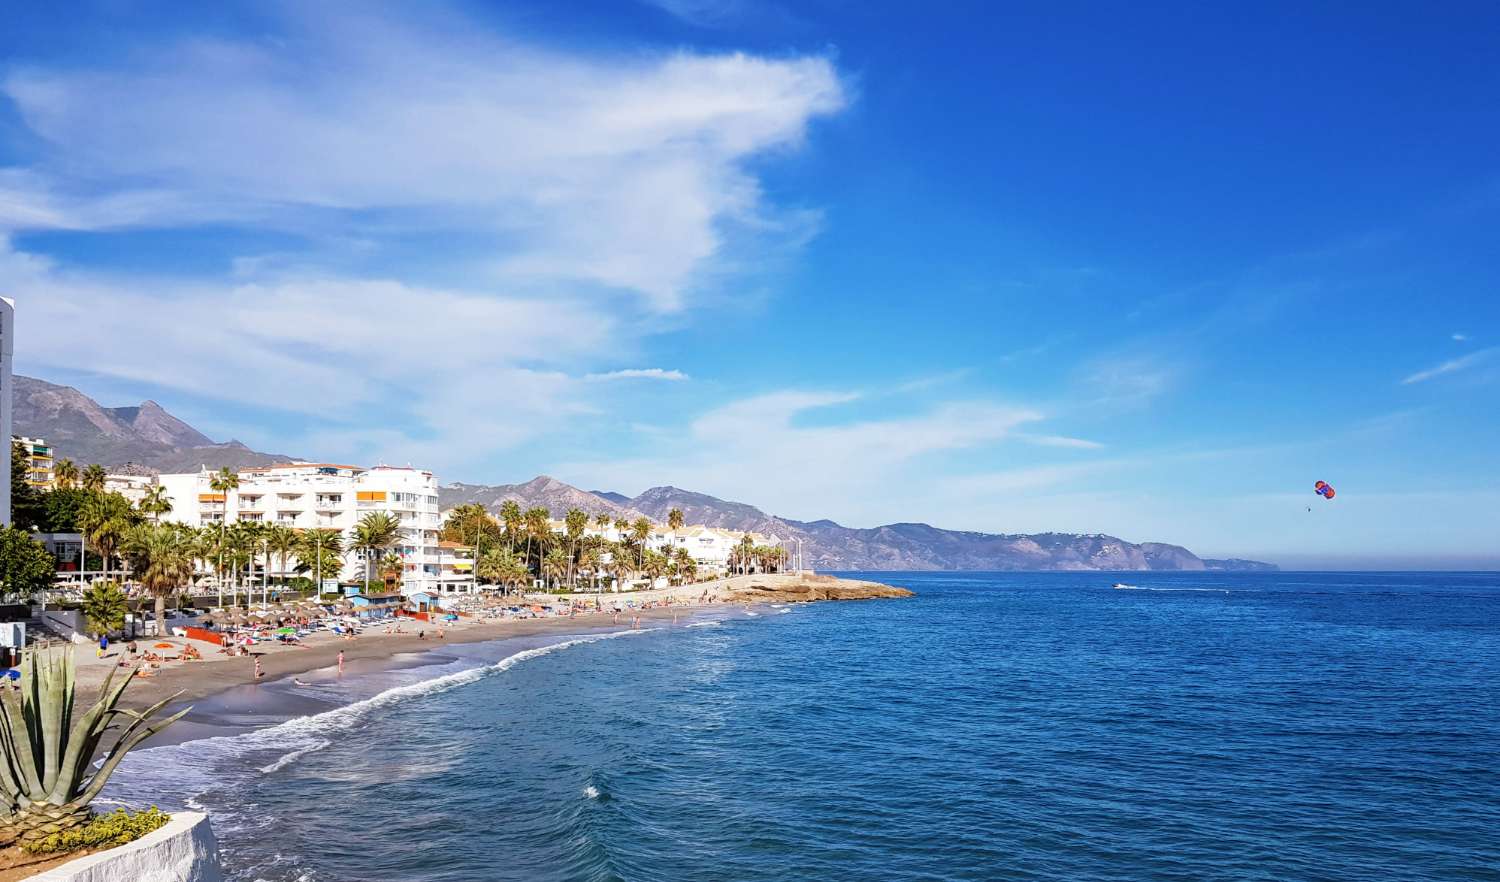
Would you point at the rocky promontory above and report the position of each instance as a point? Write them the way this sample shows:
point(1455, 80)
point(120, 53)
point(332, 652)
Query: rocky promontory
point(791, 588)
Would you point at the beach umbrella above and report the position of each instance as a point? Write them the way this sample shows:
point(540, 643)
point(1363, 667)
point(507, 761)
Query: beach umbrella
point(164, 646)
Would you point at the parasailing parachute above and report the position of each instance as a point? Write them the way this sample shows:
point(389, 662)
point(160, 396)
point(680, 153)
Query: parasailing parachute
point(1323, 489)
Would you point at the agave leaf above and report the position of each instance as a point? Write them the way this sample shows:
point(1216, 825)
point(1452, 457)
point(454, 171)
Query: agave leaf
point(125, 745)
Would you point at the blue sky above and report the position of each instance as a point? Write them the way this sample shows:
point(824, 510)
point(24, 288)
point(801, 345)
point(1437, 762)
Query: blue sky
point(1149, 272)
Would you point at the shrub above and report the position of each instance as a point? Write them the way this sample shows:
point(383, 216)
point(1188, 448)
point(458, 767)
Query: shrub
point(116, 828)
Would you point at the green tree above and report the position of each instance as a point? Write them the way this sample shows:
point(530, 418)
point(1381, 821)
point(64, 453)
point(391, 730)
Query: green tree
point(223, 483)
point(26, 510)
point(675, 519)
point(687, 568)
point(602, 520)
point(555, 567)
point(320, 551)
point(60, 508)
point(510, 515)
point(640, 531)
point(375, 534)
point(103, 520)
point(281, 541)
point(538, 529)
point(620, 567)
point(155, 504)
point(25, 566)
point(577, 520)
point(104, 608)
point(93, 478)
point(162, 557)
point(65, 474)
point(746, 549)
point(588, 562)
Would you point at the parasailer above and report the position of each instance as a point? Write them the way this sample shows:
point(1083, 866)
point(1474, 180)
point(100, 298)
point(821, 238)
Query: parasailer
point(1323, 489)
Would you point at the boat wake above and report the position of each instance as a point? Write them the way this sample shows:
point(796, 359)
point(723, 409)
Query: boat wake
point(1122, 587)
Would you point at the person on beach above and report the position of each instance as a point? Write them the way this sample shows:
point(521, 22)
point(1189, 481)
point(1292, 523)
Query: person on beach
point(635, 623)
point(103, 645)
point(341, 663)
point(258, 672)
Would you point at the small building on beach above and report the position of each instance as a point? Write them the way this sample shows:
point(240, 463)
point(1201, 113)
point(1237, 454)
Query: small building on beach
point(375, 606)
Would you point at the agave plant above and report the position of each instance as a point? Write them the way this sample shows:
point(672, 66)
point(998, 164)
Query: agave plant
point(46, 758)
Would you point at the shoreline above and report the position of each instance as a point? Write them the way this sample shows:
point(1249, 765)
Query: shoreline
point(376, 650)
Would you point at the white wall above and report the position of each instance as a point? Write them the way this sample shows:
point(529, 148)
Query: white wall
point(182, 851)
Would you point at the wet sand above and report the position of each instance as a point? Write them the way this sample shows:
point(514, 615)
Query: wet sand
point(371, 651)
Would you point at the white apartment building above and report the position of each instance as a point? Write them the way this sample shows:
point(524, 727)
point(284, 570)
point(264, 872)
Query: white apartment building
point(305, 495)
point(38, 460)
point(132, 487)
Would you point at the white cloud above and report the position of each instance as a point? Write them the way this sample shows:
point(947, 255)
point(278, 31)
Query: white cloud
point(1062, 441)
point(771, 449)
point(572, 194)
point(621, 173)
point(638, 374)
point(1460, 338)
point(1452, 365)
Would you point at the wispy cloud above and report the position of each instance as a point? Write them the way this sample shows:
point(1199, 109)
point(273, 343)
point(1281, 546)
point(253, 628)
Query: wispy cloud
point(1452, 365)
point(577, 196)
point(616, 173)
point(763, 448)
point(637, 374)
point(1061, 441)
point(1461, 338)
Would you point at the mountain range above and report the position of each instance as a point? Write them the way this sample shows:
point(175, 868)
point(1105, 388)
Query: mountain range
point(827, 545)
point(147, 437)
point(142, 438)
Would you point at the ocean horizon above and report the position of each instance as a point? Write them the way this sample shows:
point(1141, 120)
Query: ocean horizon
point(1216, 725)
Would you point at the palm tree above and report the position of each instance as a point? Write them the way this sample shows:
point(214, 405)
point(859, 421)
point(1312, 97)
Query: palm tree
point(641, 531)
point(510, 515)
point(222, 483)
point(577, 520)
point(282, 541)
point(93, 478)
point(654, 565)
point(162, 556)
point(240, 543)
point(376, 532)
point(746, 548)
point(316, 549)
point(65, 474)
point(539, 528)
point(103, 519)
point(602, 520)
point(155, 503)
point(686, 566)
point(555, 566)
point(104, 607)
point(391, 567)
point(619, 567)
point(674, 519)
point(588, 561)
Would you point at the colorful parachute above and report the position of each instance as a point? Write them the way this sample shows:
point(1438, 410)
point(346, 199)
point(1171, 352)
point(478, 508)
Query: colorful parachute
point(1323, 489)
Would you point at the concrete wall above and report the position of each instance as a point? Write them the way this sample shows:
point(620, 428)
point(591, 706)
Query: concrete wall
point(182, 851)
point(65, 621)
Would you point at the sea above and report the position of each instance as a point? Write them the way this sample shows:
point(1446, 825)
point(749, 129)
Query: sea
point(1026, 726)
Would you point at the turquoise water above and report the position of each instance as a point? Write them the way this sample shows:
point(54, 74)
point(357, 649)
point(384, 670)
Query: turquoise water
point(998, 726)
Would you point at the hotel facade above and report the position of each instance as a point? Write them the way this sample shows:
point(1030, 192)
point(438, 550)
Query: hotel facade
point(304, 495)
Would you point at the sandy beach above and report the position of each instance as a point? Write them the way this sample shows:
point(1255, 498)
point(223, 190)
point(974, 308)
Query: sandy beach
point(381, 642)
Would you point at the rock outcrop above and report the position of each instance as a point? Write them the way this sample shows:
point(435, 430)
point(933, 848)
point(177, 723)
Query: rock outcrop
point(773, 588)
